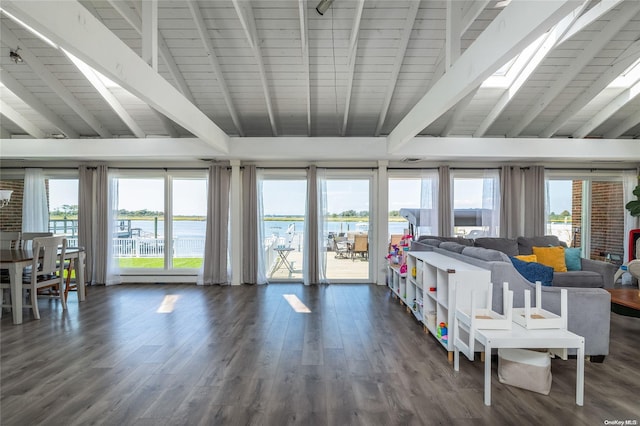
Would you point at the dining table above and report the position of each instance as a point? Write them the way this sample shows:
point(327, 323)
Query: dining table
point(15, 260)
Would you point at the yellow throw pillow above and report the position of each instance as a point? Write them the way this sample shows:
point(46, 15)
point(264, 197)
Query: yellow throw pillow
point(551, 256)
point(527, 257)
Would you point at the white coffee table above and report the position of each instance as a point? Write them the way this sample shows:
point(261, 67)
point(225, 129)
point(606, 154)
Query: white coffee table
point(520, 337)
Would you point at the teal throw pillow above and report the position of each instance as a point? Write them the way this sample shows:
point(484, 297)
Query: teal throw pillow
point(533, 271)
point(572, 259)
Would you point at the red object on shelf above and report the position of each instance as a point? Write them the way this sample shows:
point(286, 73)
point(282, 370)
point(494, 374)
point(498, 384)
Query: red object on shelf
point(634, 240)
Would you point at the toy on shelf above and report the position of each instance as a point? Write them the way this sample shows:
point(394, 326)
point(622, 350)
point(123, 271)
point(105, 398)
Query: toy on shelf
point(442, 332)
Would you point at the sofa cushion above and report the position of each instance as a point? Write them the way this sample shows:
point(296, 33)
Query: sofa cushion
point(572, 259)
point(485, 254)
point(525, 244)
point(506, 245)
point(551, 256)
point(430, 242)
point(451, 246)
point(533, 271)
point(584, 279)
point(459, 240)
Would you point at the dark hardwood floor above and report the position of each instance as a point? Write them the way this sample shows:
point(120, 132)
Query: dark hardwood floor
point(242, 355)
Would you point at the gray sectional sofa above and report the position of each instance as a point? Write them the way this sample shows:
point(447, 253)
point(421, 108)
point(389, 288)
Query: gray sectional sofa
point(589, 306)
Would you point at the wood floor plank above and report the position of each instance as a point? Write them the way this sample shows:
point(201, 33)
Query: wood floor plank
point(244, 355)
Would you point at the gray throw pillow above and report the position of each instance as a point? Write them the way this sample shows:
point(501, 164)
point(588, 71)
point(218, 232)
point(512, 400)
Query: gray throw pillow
point(505, 245)
point(486, 254)
point(526, 244)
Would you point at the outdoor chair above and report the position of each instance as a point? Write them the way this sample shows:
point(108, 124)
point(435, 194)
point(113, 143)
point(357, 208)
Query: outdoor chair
point(360, 246)
point(341, 247)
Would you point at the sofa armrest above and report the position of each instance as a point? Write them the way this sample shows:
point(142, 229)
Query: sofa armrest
point(607, 270)
point(589, 315)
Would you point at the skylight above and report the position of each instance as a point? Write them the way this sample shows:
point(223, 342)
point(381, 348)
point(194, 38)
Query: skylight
point(628, 78)
point(507, 73)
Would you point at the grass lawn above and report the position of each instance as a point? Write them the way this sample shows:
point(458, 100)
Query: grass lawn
point(157, 262)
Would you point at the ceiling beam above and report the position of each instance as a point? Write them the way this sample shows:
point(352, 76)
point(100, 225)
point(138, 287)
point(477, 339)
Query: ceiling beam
point(453, 33)
point(352, 53)
point(512, 30)
point(150, 33)
point(549, 43)
point(626, 59)
point(106, 94)
point(215, 64)
point(28, 98)
point(75, 29)
point(400, 53)
point(592, 15)
point(604, 113)
point(20, 120)
point(626, 124)
point(618, 20)
point(53, 83)
point(304, 45)
point(245, 14)
point(458, 112)
point(471, 14)
point(336, 149)
point(134, 20)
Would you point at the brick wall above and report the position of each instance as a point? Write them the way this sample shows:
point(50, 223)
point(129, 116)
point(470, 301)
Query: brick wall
point(607, 217)
point(11, 215)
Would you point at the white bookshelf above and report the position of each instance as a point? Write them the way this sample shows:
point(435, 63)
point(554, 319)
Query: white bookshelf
point(431, 293)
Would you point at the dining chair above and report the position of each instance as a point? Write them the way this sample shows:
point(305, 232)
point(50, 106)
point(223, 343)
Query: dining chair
point(9, 239)
point(47, 270)
point(26, 238)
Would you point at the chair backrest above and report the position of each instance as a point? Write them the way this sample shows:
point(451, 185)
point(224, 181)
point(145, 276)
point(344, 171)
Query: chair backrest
point(360, 242)
point(9, 239)
point(26, 239)
point(45, 256)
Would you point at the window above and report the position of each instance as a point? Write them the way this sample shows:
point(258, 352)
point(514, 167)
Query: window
point(346, 215)
point(161, 221)
point(416, 190)
point(63, 208)
point(587, 212)
point(283, 206)
point(476, 203)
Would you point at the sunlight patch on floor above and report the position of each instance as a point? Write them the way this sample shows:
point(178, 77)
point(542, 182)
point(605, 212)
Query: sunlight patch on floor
point(296, 304)
point(168, 304)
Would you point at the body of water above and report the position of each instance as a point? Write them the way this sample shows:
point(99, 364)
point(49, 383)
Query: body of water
point(196, 228)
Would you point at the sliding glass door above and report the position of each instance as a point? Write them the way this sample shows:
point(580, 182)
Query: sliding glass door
point(347, 233)
point(283, 198)
point(161, 221)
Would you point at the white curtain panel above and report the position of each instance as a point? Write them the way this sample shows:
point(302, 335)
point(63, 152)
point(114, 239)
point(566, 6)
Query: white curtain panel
point(429, 202)
point(263, 259)
point(630, 181)
point(105, 271)
point(310, 249)
point(250, 229)
point(491, 202)
point(35, 210)
point(321, 181)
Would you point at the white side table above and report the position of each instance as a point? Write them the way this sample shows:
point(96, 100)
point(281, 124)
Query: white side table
point(520, 337)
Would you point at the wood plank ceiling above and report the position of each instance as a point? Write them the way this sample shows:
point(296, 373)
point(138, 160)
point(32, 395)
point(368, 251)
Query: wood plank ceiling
point(278, 68)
